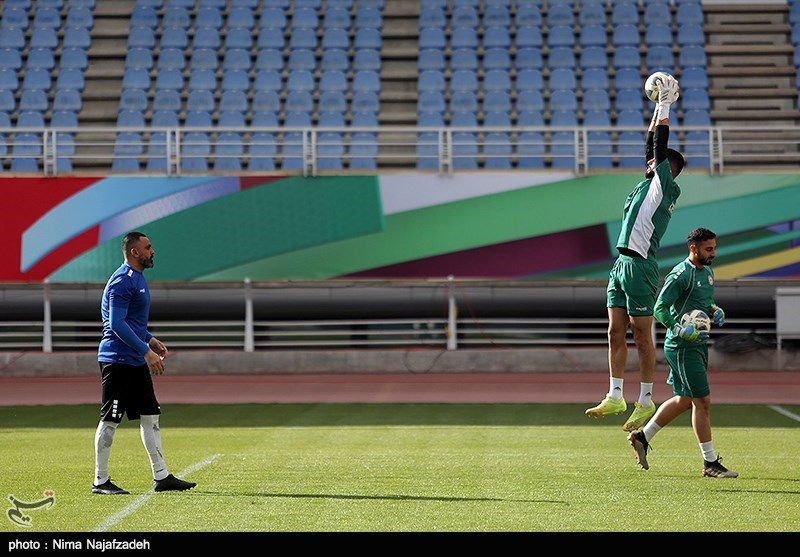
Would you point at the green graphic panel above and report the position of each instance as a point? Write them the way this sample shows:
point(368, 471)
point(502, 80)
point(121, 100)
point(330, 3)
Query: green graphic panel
point(263, 221)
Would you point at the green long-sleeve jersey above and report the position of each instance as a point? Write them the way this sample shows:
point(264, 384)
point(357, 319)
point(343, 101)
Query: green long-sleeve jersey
point(685, 288)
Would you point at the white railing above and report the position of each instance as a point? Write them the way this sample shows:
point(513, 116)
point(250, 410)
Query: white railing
point(313, 151)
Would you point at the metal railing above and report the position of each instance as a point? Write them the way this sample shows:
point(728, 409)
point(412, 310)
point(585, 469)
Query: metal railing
point(313, 151)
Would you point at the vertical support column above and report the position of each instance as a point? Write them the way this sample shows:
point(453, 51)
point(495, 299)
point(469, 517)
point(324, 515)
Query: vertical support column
point(452, 315)
point(249, 327)
point(47, 331)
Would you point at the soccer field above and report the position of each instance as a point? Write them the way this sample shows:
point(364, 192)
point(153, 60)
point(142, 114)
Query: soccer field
point(402, 468)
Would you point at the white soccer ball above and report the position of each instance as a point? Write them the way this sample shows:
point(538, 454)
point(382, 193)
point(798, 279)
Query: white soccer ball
point(651, 85)
point(698, 318)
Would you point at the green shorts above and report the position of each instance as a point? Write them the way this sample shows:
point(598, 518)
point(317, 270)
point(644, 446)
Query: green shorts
point(688, 370)
point(632, 284)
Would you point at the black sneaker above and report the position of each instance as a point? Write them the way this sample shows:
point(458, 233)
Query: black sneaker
point(640, 448)
point(171, 483)
point(108, 488)
point(717, 470)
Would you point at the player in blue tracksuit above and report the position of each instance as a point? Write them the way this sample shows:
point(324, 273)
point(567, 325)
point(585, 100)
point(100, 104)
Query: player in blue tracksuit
point(128, 354)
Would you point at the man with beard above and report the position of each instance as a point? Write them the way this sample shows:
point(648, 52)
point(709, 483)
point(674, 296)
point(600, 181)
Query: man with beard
point(128, 354)
point(689, 286)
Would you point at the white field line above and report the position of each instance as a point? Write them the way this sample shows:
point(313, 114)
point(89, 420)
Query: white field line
point(785, 412)
point(120, 515)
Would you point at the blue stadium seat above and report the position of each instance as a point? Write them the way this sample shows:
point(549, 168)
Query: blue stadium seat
point(303, 38)
point(128, 147)
point(169, 79)
point(464, 101)
point(530, 100)
point(596, 117)
point(36, 79)
point(629, 99)
point(464, 59)
point(464, 37)
point(157, 152)
point(335, 38)
point(264, 119)
point(496, 37)
point(660, 58)
point(64, 119)
point(432, 37)
point(64, 150)
point(431, 101)
point(26, 151)
point(427, 150)
point(236, 59)
point(139, 58)
point(431, 81)
point(529, 79)
point(339, 18)
point(596, 100)
point(463, 119)
point(561, 35)
point(599, 149)
point(363, 151)
point(240, 17)
point(177, 37)
point(266, 101)
point(497, 151)
point(46, 18)
point(696, 118)
point(202, 79)
point(202, 58)
point(9, 80)
point(465, 151)
point(332, 101)
point(204, 37)
point(630, 118)
point(267, 80)
point(464, 16)
point(497, 80)
point(496, 16)
point(630, 149)
point(165, 119)
point(7, 102)
point(530, 150)
point(366, 80)
point(200, 100)
point(563, 78)
point(365, 120)
point(144, 16)
point(218, 4)
point(497, 119)
point(142, 37)
point(496, 101)
point(529, 36)
point(130, 119)
point(562, 150)
point(300, 101)
point(528, 15)
point(166, 99)
point(464, 80)
point(366, 102)
point(228, 151)
point(561, 57)
point(271, 59)
point(304, 18)
point(10, 59)
point(658, 34)
point(41, 59)
point(30, 119)
point(496, 59)
point(691, 34)
point(333, 81)
point(623, 13)
point(592, 14)
point(235, 80)
point(656, 13)
point(593, 35)
point(15, 18)
point(233, 101)
point(33, 100)
point(334, 59)
point(178, 16)
point(689, 12)
point(195, 150)
point(330, 150)
point(198, 119)
point(43, 37)
point(273, 17)
point(368, 18)
point(628, 78)
point(595, 78)
point(77, 37)
point(695, 149)
point(367, 59)
point(239, 37)
point(563, 118)
point(560, 13)
point(694, 78)
point(593, 57)
point(528, 58)
point(262, 151)
point(133, 99)
point(625, 34)
point(429, 59)
point(12, 38)
point(695, 99)
point(563, 100)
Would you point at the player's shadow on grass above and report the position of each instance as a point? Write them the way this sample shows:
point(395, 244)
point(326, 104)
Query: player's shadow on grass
point(384, 497)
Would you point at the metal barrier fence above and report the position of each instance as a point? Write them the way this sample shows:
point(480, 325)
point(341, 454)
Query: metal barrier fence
point(309, 151)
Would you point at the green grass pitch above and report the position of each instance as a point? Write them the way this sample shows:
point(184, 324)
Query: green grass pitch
point(403, 468)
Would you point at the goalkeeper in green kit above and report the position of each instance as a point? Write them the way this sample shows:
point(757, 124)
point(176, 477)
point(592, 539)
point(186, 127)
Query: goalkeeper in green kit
point(634, 278)
point(689, 286)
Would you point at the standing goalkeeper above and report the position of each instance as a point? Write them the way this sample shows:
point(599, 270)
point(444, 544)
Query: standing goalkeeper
point(634, 278)
point(690, 285)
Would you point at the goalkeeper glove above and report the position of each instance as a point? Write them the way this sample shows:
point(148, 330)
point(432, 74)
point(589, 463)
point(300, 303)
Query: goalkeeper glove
point(689, 333)
point(668, 93)
point(718, 316)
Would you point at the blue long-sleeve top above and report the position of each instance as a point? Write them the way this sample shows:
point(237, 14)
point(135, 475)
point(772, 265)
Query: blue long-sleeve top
point(125, 310)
